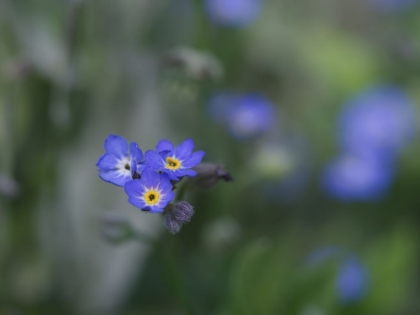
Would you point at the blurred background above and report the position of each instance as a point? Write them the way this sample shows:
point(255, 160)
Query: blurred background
point(312, 107)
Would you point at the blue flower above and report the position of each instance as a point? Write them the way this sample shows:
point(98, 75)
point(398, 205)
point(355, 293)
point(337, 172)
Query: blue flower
point(233, 13)
point(351, 277)
point(352, 177)
point(246, 116)
point(392, 5)
point(152, 192)
point(352, 281)
point(176, 162)
point(381, 119)
point(118, 165)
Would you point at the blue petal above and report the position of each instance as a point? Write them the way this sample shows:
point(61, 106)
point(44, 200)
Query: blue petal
point(137, 202)
point(166, 199)
point(184, 150)
point(107, 162)
point(135, 152)
point(164, 145)
point(185, 172)
point(134, 188)
point(165, 183)
point(114, 177)
point(170, 174)
point(140, 167)
point(116, 145)
point(352, 281)
point(154, 160)
point(194, 160)
point(153, 209)
point(150, 178)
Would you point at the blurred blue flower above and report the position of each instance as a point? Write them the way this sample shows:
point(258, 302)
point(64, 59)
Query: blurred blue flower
point(352, 281)
point(152, 192)
point(176, 162)
point(392, 5)
point(233, 13)
point(352, 177)
point(246, 115)
point(381, 120)
point(352, 277)
point(119, 163)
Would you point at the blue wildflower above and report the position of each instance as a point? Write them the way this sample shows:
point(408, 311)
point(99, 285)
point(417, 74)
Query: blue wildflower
point(352, 281)
point(119, 163)
point(233, 13)
point(352, 177)
point(176, 162)
point(152, 192)
point(380, 119)
point(392, 5)
point(246, 116)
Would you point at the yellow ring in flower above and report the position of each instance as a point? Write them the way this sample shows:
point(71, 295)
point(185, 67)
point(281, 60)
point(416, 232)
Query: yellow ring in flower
point(151, 197)
point(172, 163)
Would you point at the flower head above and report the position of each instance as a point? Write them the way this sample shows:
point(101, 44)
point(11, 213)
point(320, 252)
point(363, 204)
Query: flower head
point(380, 119)
point(176, 162)
point(352, 177)
point(233, 13)
point(152, 192)
point(352, 281)
point(246, 116)
point(119, 163)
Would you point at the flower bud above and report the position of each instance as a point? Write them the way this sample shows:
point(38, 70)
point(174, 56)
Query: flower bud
point(208, 174)
point(182, 212)
point(171, 224)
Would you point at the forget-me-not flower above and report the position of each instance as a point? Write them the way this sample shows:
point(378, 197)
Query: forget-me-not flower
point(119, 163)
point(245, 115)
point(176, 162)
point(233, 13)
point(380, 119)
point(352, 177)
point(152, 192)
point(352, 281)
point(392, 5)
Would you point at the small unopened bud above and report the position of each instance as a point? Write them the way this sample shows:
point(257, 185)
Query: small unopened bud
point(208, 174)
point(171, 224)
point(182, 212)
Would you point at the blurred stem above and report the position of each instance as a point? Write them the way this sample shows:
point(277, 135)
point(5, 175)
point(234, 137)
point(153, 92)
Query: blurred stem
point(181, 190)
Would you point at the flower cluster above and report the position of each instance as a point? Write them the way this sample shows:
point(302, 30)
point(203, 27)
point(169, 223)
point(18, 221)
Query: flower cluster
point(373, 129)
point(148, 179)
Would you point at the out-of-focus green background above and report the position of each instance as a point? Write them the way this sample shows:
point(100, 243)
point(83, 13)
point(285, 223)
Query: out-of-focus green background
point(72, 72)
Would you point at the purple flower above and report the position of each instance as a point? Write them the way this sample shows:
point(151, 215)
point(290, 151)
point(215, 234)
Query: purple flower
point(380, 119)
point(233, 13)
point(246, 116)
point(119, 163)
point(352, 177)
point(352, 281)
point(152, 192)
point(176, 162)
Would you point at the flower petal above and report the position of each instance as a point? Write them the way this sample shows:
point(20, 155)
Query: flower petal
point(164, 145)
point(153, 209)
point(115, 177)
point(163, 202)
point(154, 160)
point(135, 152)
point(194, 160)
point(185, 172)
point(116, 145)
point(150, 178)
point(184, 150)
point(107, 162)
point(165, 183)
point(137, 202)
point(134, 188)
point(170, 174)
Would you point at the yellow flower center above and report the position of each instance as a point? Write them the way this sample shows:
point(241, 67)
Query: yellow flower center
point(172, 163)
point(151, 197)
